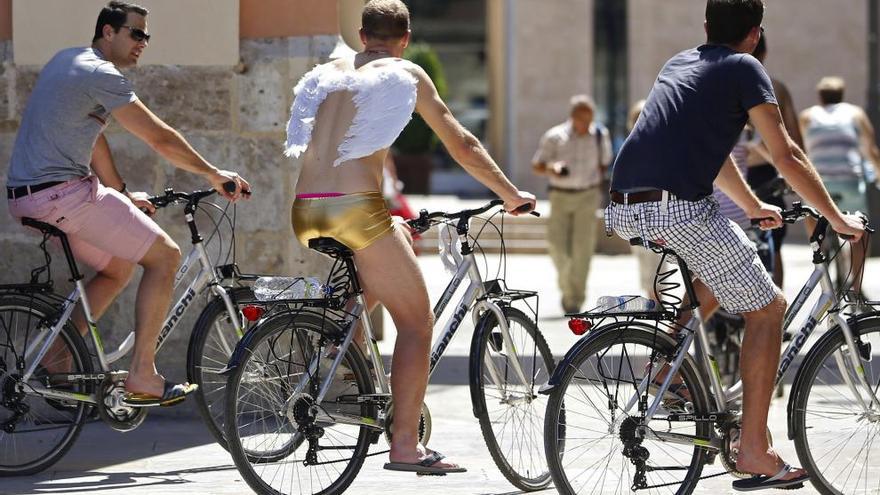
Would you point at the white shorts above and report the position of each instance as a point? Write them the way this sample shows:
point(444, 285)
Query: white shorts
point(715, 249)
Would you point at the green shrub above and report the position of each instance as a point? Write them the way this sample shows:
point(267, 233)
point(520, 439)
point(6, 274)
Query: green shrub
point(417, 137)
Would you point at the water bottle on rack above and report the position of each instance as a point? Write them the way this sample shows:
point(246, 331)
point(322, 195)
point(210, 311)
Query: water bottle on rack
point(278, 288)
point(624, 304)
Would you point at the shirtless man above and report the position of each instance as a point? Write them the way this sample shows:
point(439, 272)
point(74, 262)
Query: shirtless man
point(339, 193)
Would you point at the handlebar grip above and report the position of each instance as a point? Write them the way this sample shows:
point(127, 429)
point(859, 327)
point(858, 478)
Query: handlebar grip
point(757, 221)
point(524, 208)
point(230, 188)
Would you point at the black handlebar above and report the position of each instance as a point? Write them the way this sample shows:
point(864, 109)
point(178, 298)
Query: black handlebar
point(799, 211)
point(426, 220)
point(230, 188)
point(171, 196)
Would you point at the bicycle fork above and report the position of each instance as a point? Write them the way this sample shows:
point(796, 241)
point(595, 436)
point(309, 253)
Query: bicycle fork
point(850, 366)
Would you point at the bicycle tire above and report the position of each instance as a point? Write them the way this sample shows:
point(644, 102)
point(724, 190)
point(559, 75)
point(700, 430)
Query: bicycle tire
point(522, 471)
point(557, 420)
point(214, 329)
point(301, 326)
point(825, 429)
point(81, 363)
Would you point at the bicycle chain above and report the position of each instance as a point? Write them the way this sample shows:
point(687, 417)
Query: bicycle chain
point(678, 483)
point(346, 460)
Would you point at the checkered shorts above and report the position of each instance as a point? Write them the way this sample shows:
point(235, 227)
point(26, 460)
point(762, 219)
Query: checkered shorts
point(715, 249)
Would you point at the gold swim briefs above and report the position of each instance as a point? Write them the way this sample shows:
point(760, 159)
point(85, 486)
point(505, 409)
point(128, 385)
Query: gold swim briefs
point(356, 220)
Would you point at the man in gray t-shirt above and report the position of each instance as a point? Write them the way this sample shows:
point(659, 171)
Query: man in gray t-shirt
point(67, 111)
point(62, 173)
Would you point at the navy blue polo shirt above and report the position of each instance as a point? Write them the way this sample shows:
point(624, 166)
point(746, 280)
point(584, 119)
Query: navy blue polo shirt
point(691, 121)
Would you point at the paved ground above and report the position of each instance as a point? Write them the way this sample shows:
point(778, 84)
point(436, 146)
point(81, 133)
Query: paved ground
point(176, 455)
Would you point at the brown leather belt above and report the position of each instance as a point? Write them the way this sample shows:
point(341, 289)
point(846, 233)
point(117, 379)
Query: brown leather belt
point(636, 197)
point(17, 192)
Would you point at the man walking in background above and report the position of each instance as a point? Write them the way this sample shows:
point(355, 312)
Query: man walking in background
point(574, 155)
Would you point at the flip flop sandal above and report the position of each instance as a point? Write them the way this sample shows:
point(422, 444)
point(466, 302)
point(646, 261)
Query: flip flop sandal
point(174, 393)
point(425, 466)
point(775, 481)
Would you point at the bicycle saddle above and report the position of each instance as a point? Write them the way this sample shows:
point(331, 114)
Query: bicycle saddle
point(42, 227)
point(638, 241)
point(330, 247)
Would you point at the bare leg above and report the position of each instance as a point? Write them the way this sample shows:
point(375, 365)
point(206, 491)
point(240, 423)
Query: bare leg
point(758, 362)
point(101, 291)
point(778, 271)
point(388, 270)
point(859, 251)
point(153, 299)
point(708, 303)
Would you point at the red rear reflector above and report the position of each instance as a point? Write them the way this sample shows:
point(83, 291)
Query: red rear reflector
point(252, 313)
point(579, 326)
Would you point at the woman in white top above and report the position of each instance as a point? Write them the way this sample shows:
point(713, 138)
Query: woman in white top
point(345, 116)
point(839, 140)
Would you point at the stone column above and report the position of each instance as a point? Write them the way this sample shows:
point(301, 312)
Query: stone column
point(541, 53)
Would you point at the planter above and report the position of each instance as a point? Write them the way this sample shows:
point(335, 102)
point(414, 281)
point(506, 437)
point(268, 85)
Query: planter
point(414, 170)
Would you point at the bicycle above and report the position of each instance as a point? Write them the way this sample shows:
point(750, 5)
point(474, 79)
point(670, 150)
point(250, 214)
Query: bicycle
point(307, 404)
point(610, 393)
point(41, 414)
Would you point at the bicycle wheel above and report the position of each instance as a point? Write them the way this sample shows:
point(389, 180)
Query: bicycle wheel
point(213, 339)
point(587, 429)
point(36, 432)
point(283, 443)
point(511, 413)
point(835, 436)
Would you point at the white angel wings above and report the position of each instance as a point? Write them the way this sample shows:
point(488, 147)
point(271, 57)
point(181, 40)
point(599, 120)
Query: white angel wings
point(385, 98)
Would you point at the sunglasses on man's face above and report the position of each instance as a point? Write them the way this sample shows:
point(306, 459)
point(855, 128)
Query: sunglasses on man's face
point(138, 34)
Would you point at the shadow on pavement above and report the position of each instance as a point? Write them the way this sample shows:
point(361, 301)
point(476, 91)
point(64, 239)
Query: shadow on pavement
point(99, 447)
point(96, 482)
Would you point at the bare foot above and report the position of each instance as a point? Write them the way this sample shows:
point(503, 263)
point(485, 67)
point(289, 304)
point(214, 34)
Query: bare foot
point(764, 463)
point(417, 455)
point(152, 384)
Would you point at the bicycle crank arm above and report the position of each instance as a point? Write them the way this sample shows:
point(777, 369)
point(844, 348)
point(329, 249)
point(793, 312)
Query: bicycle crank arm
point(350, 419)
point(713, 444)
point(49, 393)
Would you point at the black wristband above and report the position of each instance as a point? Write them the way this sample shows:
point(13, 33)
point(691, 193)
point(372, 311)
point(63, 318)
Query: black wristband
point(124, 188)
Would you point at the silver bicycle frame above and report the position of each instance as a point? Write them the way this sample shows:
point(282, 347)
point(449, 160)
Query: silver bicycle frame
point(851, 369)
point(207, 277)
point(465, 266)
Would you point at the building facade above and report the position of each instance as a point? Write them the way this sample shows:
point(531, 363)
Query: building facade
point(221, 71)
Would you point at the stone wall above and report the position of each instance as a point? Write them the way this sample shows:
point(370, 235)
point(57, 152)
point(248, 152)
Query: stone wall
point(236, 118)
point(807, 39)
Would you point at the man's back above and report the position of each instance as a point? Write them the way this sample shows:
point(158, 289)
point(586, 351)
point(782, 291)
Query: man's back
point(347, 114)
point(691, 120)
point(69, 107)
point(832, 138)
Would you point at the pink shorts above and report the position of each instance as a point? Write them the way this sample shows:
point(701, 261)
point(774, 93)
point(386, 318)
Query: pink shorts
point(100, 222)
